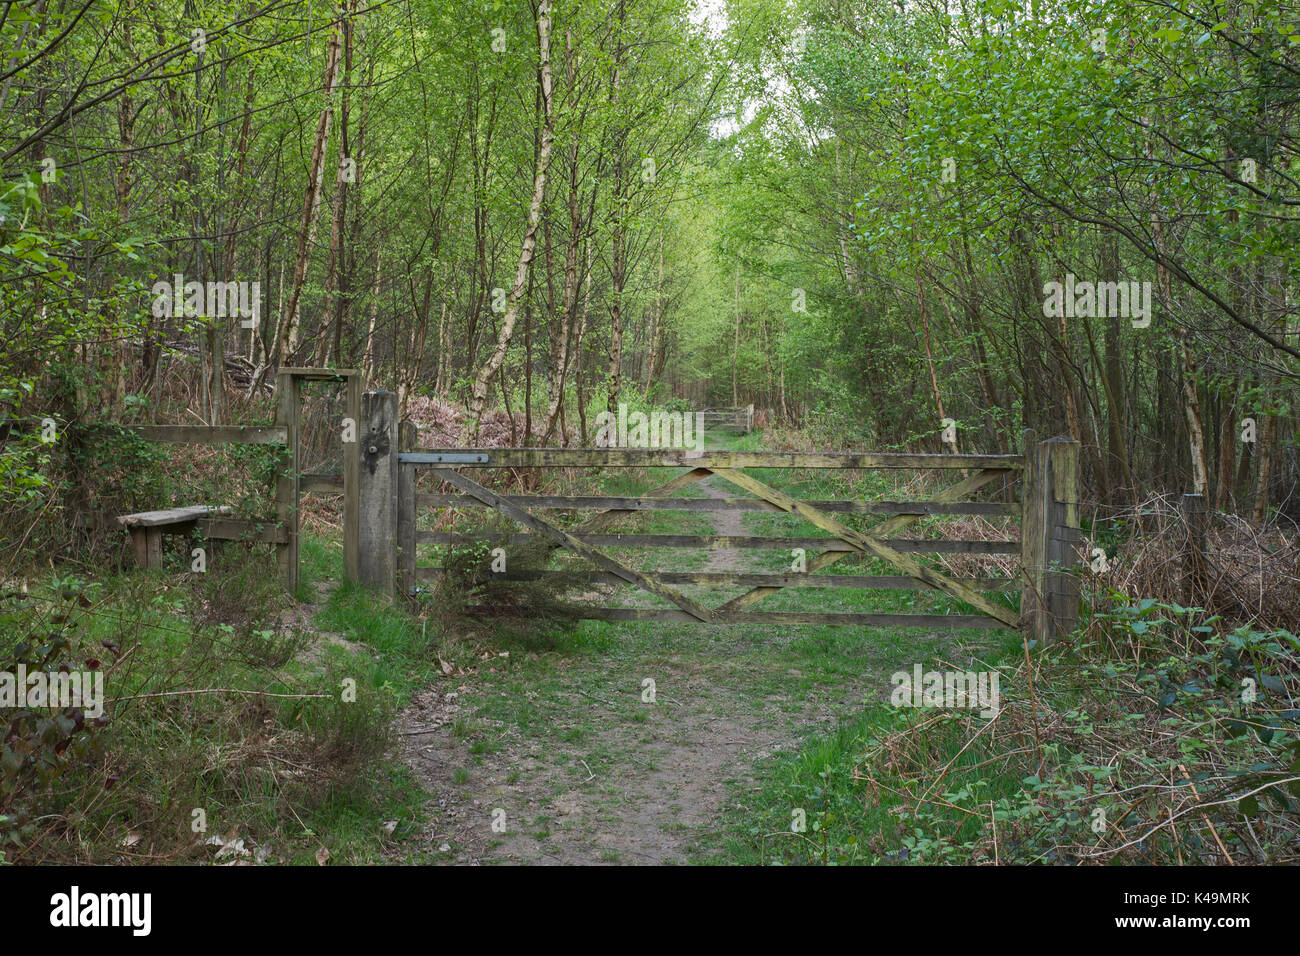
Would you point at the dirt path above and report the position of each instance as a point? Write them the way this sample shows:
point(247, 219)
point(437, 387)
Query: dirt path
point(724, 522)
point(598, 773)
point(644, 801)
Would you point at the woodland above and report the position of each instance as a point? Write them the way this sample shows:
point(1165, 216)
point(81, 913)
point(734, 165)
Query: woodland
point(894, 226)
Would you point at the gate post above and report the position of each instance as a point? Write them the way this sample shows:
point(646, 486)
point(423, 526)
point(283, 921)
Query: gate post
point(288, 478)
point(377, 513)
point(408, 437)
point(351, 478)
point(1050, 536)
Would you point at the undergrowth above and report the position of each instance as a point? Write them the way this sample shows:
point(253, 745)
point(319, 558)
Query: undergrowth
point(1151, 737)
point(221, 739)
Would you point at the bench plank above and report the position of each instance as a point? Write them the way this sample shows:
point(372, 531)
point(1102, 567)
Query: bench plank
point(148, 527)
point(170, 516)
point(239, 529)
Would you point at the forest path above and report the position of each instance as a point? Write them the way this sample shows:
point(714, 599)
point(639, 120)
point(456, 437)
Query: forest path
point(560, 749)
point(727, 523)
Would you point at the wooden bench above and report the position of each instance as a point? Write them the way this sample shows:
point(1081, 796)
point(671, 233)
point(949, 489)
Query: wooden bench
point(148, 527)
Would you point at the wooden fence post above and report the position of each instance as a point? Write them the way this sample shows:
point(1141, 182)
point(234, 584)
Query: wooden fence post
point(351, 477)
point(286, 485)
point(1196, 520)
point(1050, 537)
point(377, 511)
point(408, 439)
point(1032, 517)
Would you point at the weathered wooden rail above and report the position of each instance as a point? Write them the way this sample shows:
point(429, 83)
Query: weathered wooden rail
point(1047, 474)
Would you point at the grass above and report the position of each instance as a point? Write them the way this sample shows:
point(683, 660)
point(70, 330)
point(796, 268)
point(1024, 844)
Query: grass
point(279, 757)
point(811, 806)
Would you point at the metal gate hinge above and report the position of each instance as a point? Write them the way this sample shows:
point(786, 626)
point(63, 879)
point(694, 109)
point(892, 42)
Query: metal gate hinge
point(441, 458)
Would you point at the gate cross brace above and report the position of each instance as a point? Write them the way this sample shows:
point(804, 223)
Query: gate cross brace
point(887, 527)
point(561, 537)
point(601, 521)
point(864, 542)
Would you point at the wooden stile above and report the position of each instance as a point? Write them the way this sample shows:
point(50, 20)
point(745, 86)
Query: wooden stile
point(290, 483)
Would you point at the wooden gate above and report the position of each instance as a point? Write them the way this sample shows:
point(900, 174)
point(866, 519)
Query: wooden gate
point(740, 417)
point(1046, 474)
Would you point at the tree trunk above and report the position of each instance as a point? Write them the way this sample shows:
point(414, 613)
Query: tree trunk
point(368, 363)
point(618, 252)
point(126, 117)
point(1192, 409)
point(444, 354)
point(1227, 450)
point(333, 303)
point(735, 348)
point(1274, 302)
point(618, 276)
point(656, 319)
point(1264, 442)
point(1113, 383)
point(289, 333)
point(470, 431)
point(929, 360)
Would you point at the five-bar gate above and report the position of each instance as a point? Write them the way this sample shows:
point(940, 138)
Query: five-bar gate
point(1047, 475)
